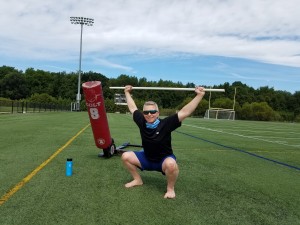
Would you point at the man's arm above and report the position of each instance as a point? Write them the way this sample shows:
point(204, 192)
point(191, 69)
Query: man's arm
point(130, 102)
point(189, 108)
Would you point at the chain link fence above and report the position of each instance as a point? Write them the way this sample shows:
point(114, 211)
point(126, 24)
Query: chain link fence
point(9, 106)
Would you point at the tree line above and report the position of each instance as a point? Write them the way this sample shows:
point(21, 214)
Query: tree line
point(264, 103)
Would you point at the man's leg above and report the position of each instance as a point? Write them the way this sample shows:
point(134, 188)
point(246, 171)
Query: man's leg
point(170, 168)
point(131, 162)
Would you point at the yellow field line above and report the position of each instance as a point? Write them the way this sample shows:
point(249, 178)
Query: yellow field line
point(12, 191)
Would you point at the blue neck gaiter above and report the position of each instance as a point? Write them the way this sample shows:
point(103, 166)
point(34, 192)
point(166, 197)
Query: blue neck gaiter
point(153, 125)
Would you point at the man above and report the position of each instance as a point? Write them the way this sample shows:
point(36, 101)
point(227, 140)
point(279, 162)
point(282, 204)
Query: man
point(157, 153)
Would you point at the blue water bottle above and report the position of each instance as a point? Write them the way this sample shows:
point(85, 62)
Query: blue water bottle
point(69, 167)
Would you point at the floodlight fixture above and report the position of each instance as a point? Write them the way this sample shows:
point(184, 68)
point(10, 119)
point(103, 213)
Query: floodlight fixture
point(82, 21)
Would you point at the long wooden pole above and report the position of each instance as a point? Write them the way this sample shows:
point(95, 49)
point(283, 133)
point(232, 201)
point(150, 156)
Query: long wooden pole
point(169, 89)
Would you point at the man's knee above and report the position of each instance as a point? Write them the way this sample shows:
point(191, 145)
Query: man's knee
point(170, 165)
point(130, 157)
point(126, 156)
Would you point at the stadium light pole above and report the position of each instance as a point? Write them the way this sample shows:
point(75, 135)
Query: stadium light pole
point(88, 22)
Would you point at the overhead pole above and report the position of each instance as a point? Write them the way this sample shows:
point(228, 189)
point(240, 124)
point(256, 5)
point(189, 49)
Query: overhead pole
point(170, 89)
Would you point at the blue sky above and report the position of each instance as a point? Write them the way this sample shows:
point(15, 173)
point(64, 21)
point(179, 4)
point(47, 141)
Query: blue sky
point(204, 42)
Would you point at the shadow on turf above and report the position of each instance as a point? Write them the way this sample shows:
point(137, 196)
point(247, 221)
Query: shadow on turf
point(154, 180)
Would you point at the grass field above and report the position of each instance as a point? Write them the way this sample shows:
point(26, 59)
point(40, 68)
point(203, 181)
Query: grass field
point(231, 172)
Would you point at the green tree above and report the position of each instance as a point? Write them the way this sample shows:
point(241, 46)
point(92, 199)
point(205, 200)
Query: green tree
point(4, 70)
point(259, 111)
point(38, 81)
point(199, 111)
point(42, 98)
point(224, 103)
point(63, 86)
point(13, 86)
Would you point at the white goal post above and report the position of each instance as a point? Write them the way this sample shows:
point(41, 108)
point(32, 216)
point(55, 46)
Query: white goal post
point(219, 113)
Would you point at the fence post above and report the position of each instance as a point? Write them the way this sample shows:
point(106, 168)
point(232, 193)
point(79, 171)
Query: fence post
point(22, 107)
point(18, 106)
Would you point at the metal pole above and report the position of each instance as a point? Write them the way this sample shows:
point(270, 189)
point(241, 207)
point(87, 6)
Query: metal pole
point(78, 97)
point(82, 21)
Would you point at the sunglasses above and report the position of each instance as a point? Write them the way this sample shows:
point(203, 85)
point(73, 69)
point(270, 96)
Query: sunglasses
point(146, 112)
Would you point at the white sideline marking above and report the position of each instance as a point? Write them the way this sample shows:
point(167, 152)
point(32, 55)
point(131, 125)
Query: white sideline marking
point(240, 135)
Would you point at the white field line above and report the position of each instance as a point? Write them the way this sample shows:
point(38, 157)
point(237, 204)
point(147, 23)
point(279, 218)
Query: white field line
point(240, 135)
point(268, 131)
point(289, 138)
point(265, 130)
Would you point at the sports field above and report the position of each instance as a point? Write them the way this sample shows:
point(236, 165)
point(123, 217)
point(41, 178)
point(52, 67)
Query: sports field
point(231, 172)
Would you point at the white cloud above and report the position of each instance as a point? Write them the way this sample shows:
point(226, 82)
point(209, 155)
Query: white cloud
point(107, 63)
point(263, 30)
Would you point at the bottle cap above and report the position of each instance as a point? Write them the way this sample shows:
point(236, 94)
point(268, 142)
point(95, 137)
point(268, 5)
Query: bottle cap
point(69, 159)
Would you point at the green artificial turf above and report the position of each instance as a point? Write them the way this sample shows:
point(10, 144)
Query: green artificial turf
point(219, 182)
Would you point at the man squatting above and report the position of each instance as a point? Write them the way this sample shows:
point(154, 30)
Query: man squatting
point(157, 153)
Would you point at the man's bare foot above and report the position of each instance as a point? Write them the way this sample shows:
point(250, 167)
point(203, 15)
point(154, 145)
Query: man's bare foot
point(134, 183)
point(170, 194)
